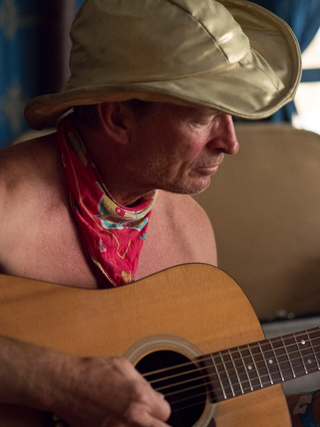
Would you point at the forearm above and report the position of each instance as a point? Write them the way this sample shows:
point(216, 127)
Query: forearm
point(81, 391)
point(28, 373)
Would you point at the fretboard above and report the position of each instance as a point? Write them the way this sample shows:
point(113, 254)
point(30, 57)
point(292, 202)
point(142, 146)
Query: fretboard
point(262, 364)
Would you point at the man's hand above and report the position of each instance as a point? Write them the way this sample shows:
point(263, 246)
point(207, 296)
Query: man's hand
point(108, 392)
point(95, 392)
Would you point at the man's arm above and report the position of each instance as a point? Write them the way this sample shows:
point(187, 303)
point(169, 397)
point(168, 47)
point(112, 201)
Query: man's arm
point(81, 391)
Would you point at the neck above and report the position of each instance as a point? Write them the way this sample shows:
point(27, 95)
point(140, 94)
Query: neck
point(110, 159)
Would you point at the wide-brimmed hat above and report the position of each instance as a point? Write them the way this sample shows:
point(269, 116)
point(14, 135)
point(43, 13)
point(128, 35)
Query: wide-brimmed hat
point(230, 55)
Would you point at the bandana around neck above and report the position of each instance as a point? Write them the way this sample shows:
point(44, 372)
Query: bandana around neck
point(113, 233)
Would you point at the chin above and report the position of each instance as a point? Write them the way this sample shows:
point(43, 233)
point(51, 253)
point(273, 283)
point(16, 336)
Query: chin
point(192, 189)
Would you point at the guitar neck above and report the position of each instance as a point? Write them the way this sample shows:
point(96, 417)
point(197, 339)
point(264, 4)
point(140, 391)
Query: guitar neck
point(251, 367)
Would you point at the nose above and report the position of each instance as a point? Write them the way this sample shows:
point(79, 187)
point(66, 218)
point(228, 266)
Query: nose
point(224, 135)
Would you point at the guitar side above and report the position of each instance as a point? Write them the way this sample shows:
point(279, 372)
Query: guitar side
point(198, 303)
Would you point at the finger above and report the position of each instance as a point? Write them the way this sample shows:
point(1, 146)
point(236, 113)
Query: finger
point(153, 401)
point(139, 417)
point(160, 408)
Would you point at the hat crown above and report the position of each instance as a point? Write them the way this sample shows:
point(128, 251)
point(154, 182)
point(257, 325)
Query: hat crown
point(230, 55)
point(124, 44)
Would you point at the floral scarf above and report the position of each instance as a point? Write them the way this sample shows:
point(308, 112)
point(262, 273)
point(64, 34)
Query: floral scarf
point(113, 233)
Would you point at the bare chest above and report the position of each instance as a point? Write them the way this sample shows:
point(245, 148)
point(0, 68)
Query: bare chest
point(51, 249)
point(48, 247)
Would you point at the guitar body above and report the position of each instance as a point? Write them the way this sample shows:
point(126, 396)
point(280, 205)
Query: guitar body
point(188, 310)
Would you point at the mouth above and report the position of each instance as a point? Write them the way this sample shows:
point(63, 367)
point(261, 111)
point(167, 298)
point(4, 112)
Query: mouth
point(211, 168)
point(208, 170)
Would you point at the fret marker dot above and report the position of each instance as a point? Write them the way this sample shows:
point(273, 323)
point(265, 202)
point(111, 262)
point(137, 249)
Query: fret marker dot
point(270, 361)
point(249, 367)
point(303, 342)
point(309, 361)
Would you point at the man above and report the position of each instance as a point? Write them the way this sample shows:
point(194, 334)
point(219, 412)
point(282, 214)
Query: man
point(154, 85)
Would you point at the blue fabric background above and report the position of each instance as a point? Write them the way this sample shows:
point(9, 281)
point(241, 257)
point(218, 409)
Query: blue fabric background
point(303, 16)
point(22, 61)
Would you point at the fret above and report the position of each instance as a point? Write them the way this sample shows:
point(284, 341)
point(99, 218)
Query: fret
point(288, 357)
point(255, 365)
point(250, 368)
point(239, 362)
point(315, 342)
point(266, 364)
point(277, 360)
point(271, 362)
point(263, 356)
point(227, 374)
point(282, 358)
point(313, 351)
point(236, 371)
point(245, 368)
point(219, 378)
point(303, 342)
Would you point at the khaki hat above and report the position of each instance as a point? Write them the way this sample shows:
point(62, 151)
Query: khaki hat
point(230, 55)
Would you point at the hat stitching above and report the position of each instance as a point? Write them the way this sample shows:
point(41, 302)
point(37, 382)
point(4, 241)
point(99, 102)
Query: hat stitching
point(163, 79)
point(202, 26)
point(260, 69)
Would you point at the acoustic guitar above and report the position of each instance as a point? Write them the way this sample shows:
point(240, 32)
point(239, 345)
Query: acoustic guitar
point(190, 330)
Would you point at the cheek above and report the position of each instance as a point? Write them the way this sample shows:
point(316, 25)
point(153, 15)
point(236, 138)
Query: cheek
point(194, 146)
point(175, 149)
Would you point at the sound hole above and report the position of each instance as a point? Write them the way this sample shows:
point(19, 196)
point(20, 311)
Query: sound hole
point(182, 385)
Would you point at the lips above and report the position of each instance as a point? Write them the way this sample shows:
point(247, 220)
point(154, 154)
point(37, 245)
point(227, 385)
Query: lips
point(207, 170)
point(211, 167)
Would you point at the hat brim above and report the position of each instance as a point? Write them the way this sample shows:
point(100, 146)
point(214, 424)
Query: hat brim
point(261, 83)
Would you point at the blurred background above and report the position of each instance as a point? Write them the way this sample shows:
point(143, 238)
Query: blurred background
point(34, 49)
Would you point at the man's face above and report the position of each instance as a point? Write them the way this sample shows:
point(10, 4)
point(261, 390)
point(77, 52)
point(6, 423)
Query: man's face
point(177, 148)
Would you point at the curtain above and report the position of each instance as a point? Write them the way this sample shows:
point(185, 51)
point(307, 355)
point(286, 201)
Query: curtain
point(79, 3)
point(303, 16)
point(33, 56)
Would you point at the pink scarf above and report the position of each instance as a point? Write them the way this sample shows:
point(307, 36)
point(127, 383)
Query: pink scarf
point(114, 233)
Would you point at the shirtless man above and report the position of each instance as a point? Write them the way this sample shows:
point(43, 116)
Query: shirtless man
point(194, 68)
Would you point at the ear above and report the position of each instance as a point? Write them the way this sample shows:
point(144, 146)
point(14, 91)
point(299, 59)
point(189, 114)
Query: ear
point(115, 120)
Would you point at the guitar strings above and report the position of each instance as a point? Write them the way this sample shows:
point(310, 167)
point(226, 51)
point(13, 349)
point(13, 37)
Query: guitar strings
point(218, 396)
point(248, 380)
point(237, 383)
point(235, 368)
point(238, 350)
point(245, 372)
point(231, 385)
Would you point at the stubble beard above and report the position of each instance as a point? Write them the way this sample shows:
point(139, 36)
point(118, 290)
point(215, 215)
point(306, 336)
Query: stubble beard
point(179, 186)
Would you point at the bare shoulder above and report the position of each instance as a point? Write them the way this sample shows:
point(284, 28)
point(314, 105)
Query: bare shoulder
point(191, 222)
point(186, 211)
point(28, 178)
point(179, 232)
point(25, 166)
point(183, 204)
point(38, 235)
point(27, 160)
